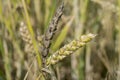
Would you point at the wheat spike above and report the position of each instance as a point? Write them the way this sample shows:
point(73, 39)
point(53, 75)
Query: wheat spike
point(69, 49)
point(25, 35)
point(26, 38)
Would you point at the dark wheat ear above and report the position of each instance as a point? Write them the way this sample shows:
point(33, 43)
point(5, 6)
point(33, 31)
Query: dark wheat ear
point(51, 31)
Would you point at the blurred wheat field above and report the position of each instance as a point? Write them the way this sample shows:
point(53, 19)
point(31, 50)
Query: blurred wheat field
point(23, 27)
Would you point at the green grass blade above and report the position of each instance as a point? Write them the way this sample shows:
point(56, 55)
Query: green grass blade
point(61, 36)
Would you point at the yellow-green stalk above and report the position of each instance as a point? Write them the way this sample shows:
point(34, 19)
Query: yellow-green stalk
point(69, 49)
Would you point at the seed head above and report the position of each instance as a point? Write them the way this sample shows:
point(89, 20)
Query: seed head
point(69, 49)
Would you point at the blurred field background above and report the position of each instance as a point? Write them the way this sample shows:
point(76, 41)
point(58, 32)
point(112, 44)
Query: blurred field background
point(98, 60)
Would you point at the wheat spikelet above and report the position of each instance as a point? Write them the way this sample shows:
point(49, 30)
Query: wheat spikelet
point(25, 35)
point(69, 49)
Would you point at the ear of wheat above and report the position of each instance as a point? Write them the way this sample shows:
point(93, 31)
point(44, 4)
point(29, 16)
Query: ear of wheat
point(69, 49)
point(25, 35)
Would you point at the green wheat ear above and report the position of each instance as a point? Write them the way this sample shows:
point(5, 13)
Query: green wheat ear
point(69, 49)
